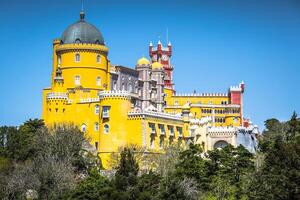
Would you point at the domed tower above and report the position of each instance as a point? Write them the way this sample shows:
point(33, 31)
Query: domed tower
point(81, 55)
point(81, 70)
point(143, 66)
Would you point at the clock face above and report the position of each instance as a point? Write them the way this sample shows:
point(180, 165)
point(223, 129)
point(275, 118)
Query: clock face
point(164, 57)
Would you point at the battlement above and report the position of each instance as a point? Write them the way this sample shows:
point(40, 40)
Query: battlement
point(216, 131)
point(237, 88)
point(82, 46)
point(89, 100)
point(154, 114)
point(114, 93)
point(57, 95)
point(201, 95)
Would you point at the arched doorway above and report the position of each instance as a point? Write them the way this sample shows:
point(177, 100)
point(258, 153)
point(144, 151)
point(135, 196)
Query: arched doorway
point(220, 144)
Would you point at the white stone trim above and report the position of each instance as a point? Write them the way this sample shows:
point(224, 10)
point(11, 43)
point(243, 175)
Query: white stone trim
point(57, 95)
point(201, 95)
point(154, 114)
point(114, 93)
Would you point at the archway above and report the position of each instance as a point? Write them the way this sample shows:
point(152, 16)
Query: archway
point(220, 144)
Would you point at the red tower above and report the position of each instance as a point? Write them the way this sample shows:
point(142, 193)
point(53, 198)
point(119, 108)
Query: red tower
point(162, 55)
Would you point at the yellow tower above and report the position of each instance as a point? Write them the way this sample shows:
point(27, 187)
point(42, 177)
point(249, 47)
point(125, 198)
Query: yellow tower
point(80, 71)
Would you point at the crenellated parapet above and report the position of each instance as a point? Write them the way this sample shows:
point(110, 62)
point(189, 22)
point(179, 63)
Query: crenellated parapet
point(115, 94)
point(57, 96)
point(201, 95)
point(63, 48)
point(133, 114)
point(89, 100)
point(222, 131)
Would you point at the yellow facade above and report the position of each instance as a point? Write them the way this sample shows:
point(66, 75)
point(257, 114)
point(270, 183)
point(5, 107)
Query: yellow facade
point(81, 93)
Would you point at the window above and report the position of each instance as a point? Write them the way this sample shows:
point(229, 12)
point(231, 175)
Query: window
point(161, 142)
point(235, 119)
point(77, 41)
point(162, 129)
point(176, 103)
point(105, 113)
point(96, 145)
point(106, 128)
point(98, 59)
point(179, 130)
point(83, 128)
point(171, 129)
point(77, 57)
point(130, 88)
point(59, 60)
point(123, 86)
point(97, 109)
point(115, 85)
point(98, 81)
point(77, 80)
point(96, 126)
point(152, 128)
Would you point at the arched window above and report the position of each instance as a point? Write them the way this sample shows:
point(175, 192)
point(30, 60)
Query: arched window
point(83, 128)
point(77, 57)
point(98, 81)
point(98, 59)
point(77, 41)
point(115, 85)
point(59, 61)
point(97, 109)
point(130, 88)
point(77, 80)
point(220, 144)
point(96, 126)
point(123, 86)
point(106, 128)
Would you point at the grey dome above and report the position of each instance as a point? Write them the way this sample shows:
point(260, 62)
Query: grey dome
point(82, 32)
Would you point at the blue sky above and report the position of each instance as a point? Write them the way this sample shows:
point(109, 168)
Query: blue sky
point(215, 44)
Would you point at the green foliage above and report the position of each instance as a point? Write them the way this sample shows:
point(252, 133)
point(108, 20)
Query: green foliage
point(279, 176)
point(50, 164)
point(20, 143)
point(94, 187)
point(191, 164)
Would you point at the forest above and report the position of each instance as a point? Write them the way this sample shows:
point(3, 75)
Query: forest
point(58, 163)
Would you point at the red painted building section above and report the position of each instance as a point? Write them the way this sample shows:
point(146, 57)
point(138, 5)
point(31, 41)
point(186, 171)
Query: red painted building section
point(163, 55)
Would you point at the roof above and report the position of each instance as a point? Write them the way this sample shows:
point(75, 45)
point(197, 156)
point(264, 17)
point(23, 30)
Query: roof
point(82, 32)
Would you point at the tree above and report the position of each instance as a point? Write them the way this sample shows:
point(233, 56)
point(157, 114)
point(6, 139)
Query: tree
point(59, 159)
point(147, 186)
point(231, 168)
point(279, 176)
point(191, 164)
point(126, 176)
point(20, 143)
point(94, 187)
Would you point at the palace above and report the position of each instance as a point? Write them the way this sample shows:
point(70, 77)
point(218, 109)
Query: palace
point(117, 105)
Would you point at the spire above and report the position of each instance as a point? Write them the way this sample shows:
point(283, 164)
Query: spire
point(82, 14)
point(151, 44)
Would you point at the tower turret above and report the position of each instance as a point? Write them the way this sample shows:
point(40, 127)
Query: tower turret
point(162, 54)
